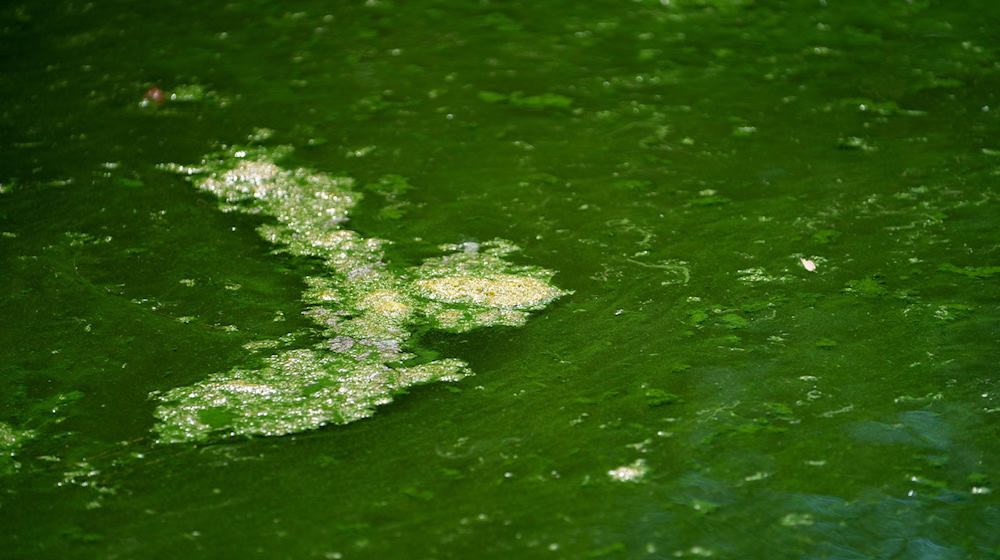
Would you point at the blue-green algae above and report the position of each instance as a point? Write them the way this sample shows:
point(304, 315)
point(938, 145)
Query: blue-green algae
point(365, 310)
point(11, 441)
point(777, 219)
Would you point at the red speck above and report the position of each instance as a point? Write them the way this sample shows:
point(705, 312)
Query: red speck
point(154, 95)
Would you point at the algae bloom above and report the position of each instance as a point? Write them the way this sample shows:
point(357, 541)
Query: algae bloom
point(363, 309)
point(11, 440)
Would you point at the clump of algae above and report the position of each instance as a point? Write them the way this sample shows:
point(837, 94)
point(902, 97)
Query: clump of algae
point(11, 440)
point(502, 290)
point(365, 311)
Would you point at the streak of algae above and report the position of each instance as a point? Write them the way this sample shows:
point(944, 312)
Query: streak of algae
point(365, 310)
point(11, 441)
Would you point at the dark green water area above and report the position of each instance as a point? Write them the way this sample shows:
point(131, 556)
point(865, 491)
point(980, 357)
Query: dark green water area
point(442, 279)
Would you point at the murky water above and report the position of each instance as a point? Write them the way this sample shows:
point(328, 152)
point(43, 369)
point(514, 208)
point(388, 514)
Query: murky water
point(771, 332)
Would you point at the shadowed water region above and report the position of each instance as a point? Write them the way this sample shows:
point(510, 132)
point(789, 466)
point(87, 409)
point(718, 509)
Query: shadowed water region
point(645, 279)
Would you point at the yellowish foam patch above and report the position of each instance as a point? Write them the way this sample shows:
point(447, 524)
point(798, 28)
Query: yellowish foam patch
point(385, 302)
point(501, 290)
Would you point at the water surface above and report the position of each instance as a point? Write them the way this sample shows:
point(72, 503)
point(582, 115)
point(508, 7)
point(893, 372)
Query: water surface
point(680, 166)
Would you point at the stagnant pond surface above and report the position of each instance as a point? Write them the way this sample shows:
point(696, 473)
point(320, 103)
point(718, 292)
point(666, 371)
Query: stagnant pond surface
point(442, 279)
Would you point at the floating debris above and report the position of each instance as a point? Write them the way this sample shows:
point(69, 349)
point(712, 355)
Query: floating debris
point(365, 311)
point(153, 95)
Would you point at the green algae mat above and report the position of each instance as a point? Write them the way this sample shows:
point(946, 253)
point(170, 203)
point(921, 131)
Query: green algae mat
point(645, 279)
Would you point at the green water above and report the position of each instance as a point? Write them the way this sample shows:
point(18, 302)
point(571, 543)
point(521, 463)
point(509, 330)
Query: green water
point(678, 164)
